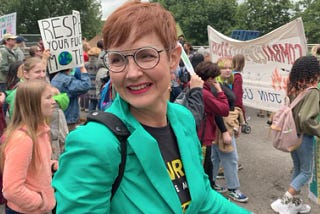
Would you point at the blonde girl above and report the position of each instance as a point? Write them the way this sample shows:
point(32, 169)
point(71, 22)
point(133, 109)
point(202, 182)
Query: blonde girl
point(26, 152)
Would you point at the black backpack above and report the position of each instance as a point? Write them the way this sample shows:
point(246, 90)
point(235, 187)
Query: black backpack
point(120, 130)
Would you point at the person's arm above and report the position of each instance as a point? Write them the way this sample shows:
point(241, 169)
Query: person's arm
point(309, 112)
point(4, 66)
point(18, 154)
point(195, 99)
point(80, 86)
point(238, 91)
point(87, 170)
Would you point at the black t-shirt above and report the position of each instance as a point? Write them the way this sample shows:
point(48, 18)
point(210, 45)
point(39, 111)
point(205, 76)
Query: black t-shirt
point(170, 153)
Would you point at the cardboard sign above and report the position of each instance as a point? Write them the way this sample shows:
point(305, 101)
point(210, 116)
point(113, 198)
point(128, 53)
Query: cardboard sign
point(268, 61)
point(8, 24)
point(62, 36)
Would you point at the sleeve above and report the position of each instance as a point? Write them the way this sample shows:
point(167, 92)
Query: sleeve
point(4, 67)
point(87, 170)
point(218, 105)
point(195, 104)
point(309, 112)
point(18, 154)
point(220, 123)
point(79, 86)
point(238, 91)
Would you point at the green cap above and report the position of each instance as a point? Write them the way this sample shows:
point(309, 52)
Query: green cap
point(62, 100)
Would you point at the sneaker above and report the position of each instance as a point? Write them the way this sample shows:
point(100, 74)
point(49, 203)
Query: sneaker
point(219, 188)
point(220, 175)
point(290, 206)
point(240, 166)
point(237, 195)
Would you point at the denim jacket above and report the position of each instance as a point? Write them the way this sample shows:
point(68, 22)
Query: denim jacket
point(74, 86)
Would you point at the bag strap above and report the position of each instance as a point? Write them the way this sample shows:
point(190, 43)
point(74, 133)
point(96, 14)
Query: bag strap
point(120, 130)
point(299, 97)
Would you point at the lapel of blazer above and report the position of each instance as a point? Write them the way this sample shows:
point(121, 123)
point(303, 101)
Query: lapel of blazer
point(147, 151)
point(190, 158)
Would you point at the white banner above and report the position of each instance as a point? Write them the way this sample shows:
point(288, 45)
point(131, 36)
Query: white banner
point(8, 24)
point(62, 36)
point(268, 61)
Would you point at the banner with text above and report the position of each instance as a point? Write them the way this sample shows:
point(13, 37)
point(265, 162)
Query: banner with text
point(268, 61)
point(8, 24)
point(62, 36)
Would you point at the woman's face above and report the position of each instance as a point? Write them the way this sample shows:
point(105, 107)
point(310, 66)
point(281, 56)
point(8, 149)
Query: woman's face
point(47, 102)
point(226, 70)
point(37, 72)
point(145, 88)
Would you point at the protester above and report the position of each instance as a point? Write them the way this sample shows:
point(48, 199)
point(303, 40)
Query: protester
point(7, 57)
point(163, 134)
point(26, 153)
point(33, 68)
point(305, 73)
point(92, 67)
point(73, 86)
point(213, 106)
point(227, 156)
point(20, 45)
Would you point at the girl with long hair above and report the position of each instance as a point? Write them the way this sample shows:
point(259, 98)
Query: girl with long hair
point(26, 152)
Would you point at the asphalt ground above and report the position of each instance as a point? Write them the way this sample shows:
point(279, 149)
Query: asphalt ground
point(266, 171)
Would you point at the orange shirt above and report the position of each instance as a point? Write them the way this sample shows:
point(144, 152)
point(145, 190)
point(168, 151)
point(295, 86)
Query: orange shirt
point(27, 189)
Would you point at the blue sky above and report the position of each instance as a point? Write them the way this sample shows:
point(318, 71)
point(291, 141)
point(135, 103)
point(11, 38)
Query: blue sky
point(108, 6)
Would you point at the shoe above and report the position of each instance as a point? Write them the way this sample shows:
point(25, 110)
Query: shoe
point(219, 188)
point(237, 195)
point(240, 166)
point(286, 205)
point(220, 175)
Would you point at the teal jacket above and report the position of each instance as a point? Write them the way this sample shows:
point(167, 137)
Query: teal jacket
point(90, 163)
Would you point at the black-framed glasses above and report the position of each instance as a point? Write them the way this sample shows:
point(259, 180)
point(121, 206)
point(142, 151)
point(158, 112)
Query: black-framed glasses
point(145, 58)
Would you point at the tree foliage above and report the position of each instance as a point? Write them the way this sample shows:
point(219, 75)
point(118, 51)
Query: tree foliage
point(30, 11)
point(309, 11)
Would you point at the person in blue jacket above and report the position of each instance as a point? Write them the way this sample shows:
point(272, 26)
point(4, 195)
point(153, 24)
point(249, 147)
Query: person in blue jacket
point(73, 86)
point(163, 171)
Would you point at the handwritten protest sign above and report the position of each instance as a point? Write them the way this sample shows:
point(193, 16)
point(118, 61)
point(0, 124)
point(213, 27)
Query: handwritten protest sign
point(62, 36)
point(8, 24)
point(268, 61)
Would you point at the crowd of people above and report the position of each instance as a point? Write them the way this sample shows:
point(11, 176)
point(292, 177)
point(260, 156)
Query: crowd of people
point(183, 127)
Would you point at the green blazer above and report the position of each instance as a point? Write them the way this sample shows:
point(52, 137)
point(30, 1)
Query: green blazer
point(90, 164)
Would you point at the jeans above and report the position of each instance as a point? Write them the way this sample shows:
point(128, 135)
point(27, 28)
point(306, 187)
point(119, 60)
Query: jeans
point(302, 159)
point(207, 165)
point(229, 162)
point(93, 104)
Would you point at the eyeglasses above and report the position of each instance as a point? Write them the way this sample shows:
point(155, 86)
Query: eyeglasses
point(145, 58)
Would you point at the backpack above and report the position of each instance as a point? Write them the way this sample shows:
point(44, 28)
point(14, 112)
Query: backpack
point(106, 96)
point(283, 128)
point(120, 130)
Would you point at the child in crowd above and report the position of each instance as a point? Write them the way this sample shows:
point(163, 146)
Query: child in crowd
point(26, 153)
point(304, 76)
point(73, 86)
point(228, 157)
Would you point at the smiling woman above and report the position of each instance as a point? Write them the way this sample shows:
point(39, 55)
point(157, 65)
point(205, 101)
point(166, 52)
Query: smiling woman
point(163, 171)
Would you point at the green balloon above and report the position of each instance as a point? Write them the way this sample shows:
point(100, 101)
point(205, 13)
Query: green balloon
point(65, 58)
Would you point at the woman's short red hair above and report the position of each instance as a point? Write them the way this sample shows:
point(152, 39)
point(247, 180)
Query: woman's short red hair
point(140, 18)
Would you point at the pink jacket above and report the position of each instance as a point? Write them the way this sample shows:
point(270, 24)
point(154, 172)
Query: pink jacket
point(28, 190)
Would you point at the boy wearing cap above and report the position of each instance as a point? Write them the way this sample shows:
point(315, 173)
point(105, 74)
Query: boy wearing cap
point(19, 46)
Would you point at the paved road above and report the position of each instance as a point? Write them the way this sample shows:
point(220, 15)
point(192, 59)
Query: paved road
point(266, 172)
